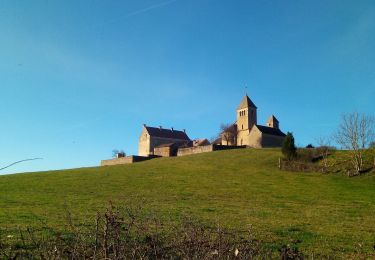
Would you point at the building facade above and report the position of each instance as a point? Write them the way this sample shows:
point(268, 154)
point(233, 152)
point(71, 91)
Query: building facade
point(246, 131)
point(162, 139)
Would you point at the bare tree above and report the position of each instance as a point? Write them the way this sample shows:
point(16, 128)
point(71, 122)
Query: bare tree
point(355, 132)
point(229, 133)
point(212, 139)
point(324, 149)
point(118, 153)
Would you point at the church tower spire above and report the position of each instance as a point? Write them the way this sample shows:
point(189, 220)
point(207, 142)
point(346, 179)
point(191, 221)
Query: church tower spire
point(246, 114)
point(273, 122)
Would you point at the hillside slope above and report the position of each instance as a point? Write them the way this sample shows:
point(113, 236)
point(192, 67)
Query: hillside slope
point(240, 189)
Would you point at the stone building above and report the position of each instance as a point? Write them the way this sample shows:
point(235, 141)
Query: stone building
point(246, 131)
point(162, 142)
point(166, 150)
point(200, 142)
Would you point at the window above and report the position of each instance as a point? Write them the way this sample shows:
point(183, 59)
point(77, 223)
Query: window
point(242, 126)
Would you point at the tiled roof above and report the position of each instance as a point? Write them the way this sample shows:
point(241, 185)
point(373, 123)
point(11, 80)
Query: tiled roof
point(167, 133)
point(270, 130)
point(246, 102)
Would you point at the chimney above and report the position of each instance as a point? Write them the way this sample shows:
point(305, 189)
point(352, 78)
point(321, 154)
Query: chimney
point(160, 127)
point(172, 129)
point(144, 125)
point(184, 131)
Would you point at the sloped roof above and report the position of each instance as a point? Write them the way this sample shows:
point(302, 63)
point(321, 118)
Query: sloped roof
point(167, 133)
point(180, 144)
point(270, 130)
point(272, 118)
point(217, 141)
point(246, 102)
point(165, 145)
point(199, 142)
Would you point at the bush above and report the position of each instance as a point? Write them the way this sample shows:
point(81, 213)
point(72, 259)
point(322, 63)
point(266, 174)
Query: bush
point(289, 149)
point(128, 234)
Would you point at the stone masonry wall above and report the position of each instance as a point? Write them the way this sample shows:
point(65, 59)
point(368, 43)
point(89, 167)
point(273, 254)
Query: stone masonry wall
point(144, 143)
point(205, 149)
point(272, 141)
point(163, 151)
point(194, 150)
point(124, 160)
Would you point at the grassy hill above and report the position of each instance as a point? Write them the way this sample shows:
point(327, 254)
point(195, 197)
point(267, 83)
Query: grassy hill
point(239, 189)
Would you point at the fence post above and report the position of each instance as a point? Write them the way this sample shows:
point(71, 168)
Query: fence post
point(280, 163)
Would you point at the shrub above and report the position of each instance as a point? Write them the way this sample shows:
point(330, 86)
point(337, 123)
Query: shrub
point(128, 234)
point(289, 149)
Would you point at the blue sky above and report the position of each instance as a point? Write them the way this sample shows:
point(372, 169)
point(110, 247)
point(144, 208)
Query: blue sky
point(79, 78)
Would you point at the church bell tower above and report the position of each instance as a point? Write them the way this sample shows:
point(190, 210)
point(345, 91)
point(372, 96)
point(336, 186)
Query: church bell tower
point(246, 114)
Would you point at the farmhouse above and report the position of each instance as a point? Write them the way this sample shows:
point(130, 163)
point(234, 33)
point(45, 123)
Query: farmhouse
point(162, 142)
point(246, 131)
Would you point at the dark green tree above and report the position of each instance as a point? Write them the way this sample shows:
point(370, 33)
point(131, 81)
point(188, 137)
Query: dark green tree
point(289, 149)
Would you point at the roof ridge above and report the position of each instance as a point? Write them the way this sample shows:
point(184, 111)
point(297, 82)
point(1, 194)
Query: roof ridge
point(270, 130)
point(246, 102)
point(167, 133)
point(272, 117)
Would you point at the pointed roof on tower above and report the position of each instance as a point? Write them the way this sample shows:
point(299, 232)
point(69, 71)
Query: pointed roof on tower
point(245, 103)
point(272, 119)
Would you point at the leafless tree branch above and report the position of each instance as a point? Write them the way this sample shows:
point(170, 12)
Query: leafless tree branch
point(10, 165)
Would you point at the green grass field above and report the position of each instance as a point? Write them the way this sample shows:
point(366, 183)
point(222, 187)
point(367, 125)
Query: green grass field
point(239, 189)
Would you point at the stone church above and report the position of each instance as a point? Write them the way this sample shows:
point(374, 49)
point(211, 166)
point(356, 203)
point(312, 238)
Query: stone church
point(158, 141)
point(246, 131)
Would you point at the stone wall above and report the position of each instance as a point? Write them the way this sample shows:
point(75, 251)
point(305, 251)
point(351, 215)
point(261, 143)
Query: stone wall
point(227, 147)
point(157, 141)
point(272, 140)
point(242, 137)
point(206, 149)
point(144, 143)
point(166, 151)
point(196, 149)
point(124, 160)
point(254, 139)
